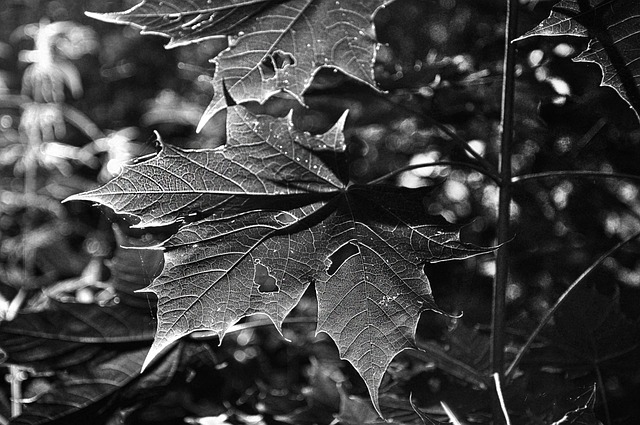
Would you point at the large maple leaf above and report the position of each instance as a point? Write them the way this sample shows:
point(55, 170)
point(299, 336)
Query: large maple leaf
point(277, 45)
point(613, 29)
point(272, 216)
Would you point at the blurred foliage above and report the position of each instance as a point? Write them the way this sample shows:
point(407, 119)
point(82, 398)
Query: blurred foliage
point(78, 98)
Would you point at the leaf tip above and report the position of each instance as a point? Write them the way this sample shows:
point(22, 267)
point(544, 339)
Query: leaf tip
point(145, 290)
point(151, 356)
point(158, 347)
point(82, 196)
point(204, 119)
point(342, 120)
point(93, 15)
point(115, 17)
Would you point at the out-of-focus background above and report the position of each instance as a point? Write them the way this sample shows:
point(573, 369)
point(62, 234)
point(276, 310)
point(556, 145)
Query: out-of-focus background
point(80, 97)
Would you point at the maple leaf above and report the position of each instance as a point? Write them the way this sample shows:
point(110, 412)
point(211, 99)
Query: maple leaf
point(273, 217)
point(276, 45)
point(612, 26)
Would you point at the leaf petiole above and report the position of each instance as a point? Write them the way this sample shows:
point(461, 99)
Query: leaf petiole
point(410, 167)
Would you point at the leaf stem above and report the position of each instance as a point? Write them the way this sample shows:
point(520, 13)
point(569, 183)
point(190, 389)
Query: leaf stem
point(603, 394)
point(450, 364)
point(498, 325)
point(516, 361)
point(478, 168)
point(573, 174)
point(453, 419)
point(487, 168)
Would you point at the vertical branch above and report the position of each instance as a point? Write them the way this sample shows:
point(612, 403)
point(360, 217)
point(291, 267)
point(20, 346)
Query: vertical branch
point(504, 210)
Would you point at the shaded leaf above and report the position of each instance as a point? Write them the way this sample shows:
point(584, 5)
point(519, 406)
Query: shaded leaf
point(279, 218)
point(277, 45)
point(38, 338)
point(465, 354)
point(80, 388)
point(590, 331)
point(612, 26)
point(134, 267)
point(322, 395)
point(87, 392)
point(357, 411)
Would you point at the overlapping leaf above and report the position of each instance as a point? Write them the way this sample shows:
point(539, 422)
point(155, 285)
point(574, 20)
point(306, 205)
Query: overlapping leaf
point(614, 29)
point(277, 45)
point(277, 217)
point(88, 393)
point(37, 339)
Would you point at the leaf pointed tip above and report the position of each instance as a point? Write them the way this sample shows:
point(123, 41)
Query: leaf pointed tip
point(204, 119)
point(159, 347)
point(116, 17)
point(82, 196)
point(145, 290)
point(111, 18)
point(93, 15)
point(151, 356)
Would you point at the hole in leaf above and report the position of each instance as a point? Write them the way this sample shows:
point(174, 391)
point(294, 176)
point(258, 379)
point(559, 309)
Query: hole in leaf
point(276, 61)
point(285, 218)
point(341, 255)
point(266, 282)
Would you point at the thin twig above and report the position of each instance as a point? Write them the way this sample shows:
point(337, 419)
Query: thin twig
point(516, 361)
point(573, 174)
point(488, 168)
point(450, 364)
point(452, 416)
point(434, 164)
point(503, 405)
point(498, 311)
point(603, 394)
point(587, 138)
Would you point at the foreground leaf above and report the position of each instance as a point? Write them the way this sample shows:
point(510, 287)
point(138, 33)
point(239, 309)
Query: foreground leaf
point(262, 156)
point(612, 26)
point(279, 45)
point(279, 218)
